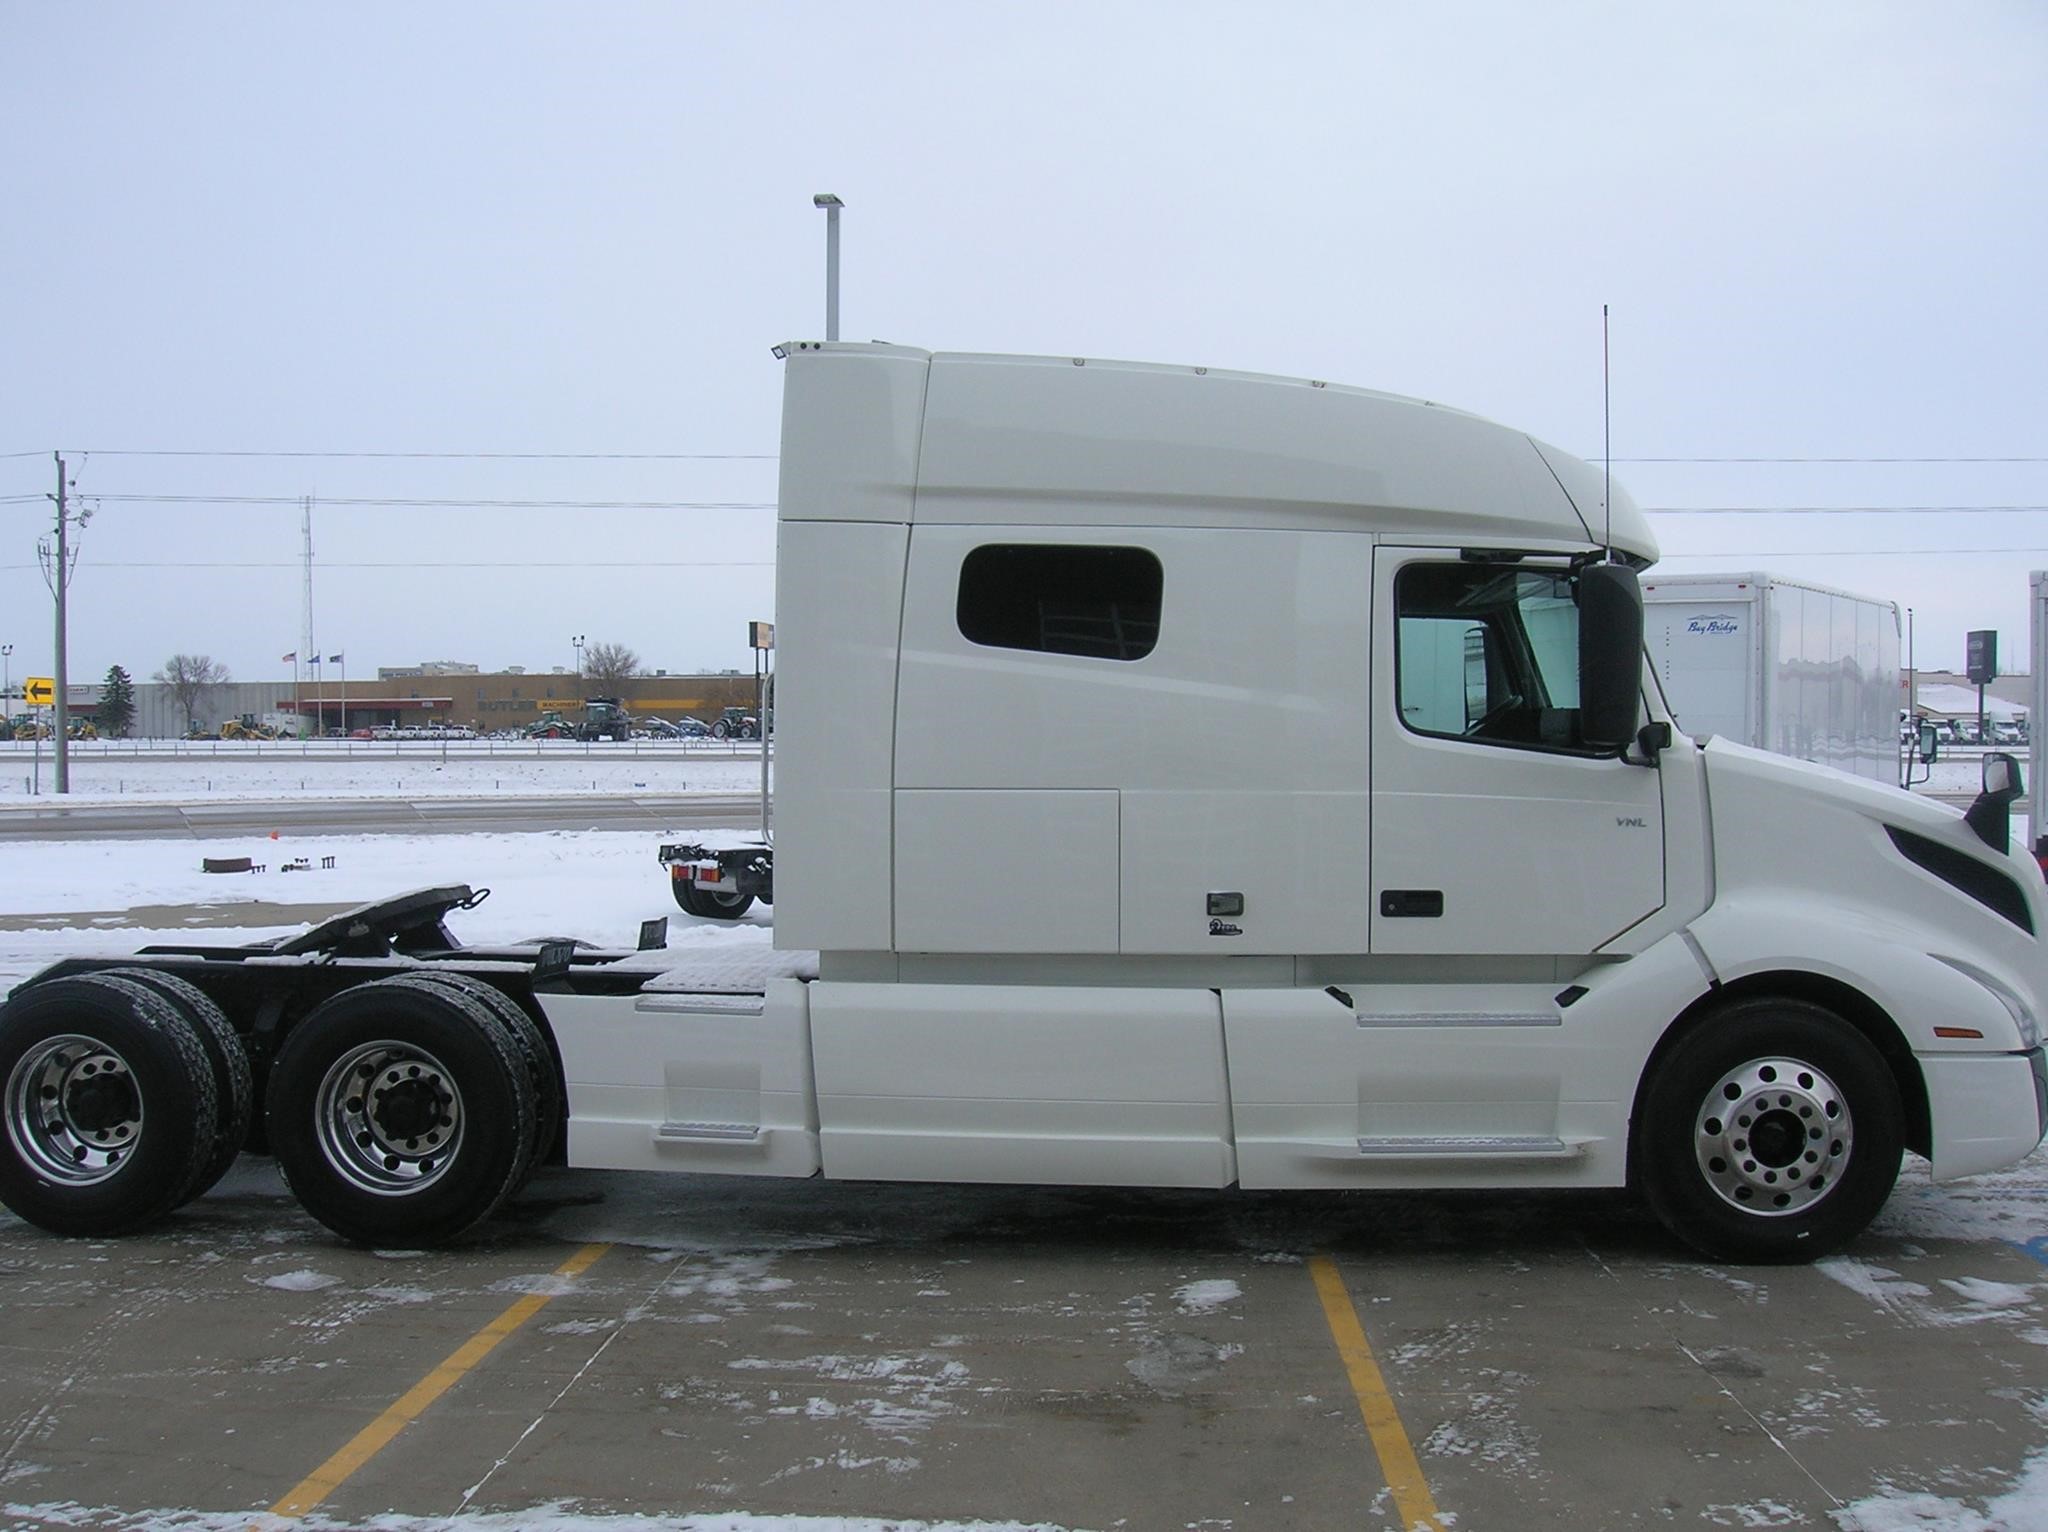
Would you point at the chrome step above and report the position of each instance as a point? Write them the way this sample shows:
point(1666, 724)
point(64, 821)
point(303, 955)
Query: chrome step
point(707, 1132)
point(1452, 1147)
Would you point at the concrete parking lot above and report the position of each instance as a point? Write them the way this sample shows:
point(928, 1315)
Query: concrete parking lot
point(768, 1355)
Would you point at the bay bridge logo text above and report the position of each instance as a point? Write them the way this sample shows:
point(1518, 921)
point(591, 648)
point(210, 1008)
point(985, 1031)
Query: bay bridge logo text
point(1719, 622)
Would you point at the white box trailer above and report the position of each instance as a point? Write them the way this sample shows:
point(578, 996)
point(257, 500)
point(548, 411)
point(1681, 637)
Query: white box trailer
point(1780, 664)
point(1186, 778)
point(2037, 718)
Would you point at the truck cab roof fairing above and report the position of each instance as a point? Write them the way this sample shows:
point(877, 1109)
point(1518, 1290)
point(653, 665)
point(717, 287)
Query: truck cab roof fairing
point(906, 435)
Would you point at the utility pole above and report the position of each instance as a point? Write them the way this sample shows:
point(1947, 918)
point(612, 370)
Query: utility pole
point(60, 580)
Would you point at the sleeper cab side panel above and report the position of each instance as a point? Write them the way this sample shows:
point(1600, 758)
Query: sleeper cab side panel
point(1238, 747)
point(997, 871)
point(838, 603)
point(675, 1081)
point(1011, 1083)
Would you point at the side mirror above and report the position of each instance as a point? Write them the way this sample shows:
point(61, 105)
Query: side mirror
point(1610, 655)
point(1930, 743)
point(1991, 815)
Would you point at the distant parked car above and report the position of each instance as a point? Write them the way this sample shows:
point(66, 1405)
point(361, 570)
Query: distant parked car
point(664, 728)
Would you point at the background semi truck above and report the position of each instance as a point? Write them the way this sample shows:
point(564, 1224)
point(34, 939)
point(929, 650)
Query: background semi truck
point(1780, 664)
point(1069, 890)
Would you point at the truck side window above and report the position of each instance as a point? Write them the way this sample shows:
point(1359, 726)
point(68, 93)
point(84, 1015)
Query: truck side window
point(1488, 652)
point(1094, 601)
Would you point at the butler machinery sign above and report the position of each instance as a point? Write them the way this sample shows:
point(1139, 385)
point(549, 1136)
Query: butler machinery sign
point(1982, 654)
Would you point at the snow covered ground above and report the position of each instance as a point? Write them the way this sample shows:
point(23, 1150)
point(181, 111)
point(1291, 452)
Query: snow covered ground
point(245, 772)
point(115, 896)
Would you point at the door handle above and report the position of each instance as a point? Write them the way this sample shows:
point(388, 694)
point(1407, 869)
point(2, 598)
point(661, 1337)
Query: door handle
point(1418, 903)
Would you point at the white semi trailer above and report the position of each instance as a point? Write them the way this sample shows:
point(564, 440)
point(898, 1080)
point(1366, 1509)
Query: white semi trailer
point(2037, 716)
point(1187, 778)
point(1780, 664)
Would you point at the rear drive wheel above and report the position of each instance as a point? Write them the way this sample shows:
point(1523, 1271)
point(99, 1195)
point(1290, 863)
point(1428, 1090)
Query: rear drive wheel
point(1771, 1132)
point(232, 1085)
point(542, 1081)
point(400, 1113)
point(108, 1100)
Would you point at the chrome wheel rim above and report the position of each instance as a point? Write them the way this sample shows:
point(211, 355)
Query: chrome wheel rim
point(74, 1113)
point(389, 1118)
point(1773, 1137)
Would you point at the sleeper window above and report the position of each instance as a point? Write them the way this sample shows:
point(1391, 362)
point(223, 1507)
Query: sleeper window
point(1059, 599)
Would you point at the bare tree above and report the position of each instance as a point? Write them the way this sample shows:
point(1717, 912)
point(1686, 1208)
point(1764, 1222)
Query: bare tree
point(192, 678)
point(607, 668)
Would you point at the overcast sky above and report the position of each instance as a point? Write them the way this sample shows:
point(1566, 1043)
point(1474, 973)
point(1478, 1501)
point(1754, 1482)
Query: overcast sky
point(474, 229)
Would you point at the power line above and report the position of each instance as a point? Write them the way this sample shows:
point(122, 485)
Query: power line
point(453, 503)
point(1857, 460)
point(769, 457)
point(465, 502)
point(1837, 510)
point(517, 457)
point(550, 566)
point(1851, 553)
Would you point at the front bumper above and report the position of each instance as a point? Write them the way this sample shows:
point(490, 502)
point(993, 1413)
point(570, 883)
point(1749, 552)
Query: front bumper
point(1987, 1110)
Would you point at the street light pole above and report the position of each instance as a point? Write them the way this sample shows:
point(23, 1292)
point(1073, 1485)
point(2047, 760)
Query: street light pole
point(576, 643)
point(832, 206)
point(6, 677)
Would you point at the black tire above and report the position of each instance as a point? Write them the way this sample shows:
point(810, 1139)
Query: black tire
point(532, 1043)
point(709, 904)
point(108, 1104)
point(400, 1113)
point(233, 1087)
point(748, 731)
point(1771, 1132)
point(720, 729)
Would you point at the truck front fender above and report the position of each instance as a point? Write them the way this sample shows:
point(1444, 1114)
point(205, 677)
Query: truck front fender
point(1940, 1003)
point(1968, 1038)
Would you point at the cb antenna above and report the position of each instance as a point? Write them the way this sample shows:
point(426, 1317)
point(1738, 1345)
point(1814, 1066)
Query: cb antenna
point(1606, 438)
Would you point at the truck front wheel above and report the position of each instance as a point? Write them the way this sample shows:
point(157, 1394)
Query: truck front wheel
point(1771, 1132)
point(401, 1113)
point(109, 1105)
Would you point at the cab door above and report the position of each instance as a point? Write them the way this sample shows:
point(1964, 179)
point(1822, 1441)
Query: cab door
point(1494, 829)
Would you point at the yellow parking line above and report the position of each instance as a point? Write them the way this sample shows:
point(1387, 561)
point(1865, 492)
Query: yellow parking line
point(1382, 1422)
point(373, 1438)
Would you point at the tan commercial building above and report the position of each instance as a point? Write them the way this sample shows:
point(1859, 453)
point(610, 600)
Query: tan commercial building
point(507, 700)
point(484, 702)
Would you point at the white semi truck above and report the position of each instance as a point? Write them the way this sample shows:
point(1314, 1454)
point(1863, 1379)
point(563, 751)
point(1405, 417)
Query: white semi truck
point(1780, 664)
point(1186, 778)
